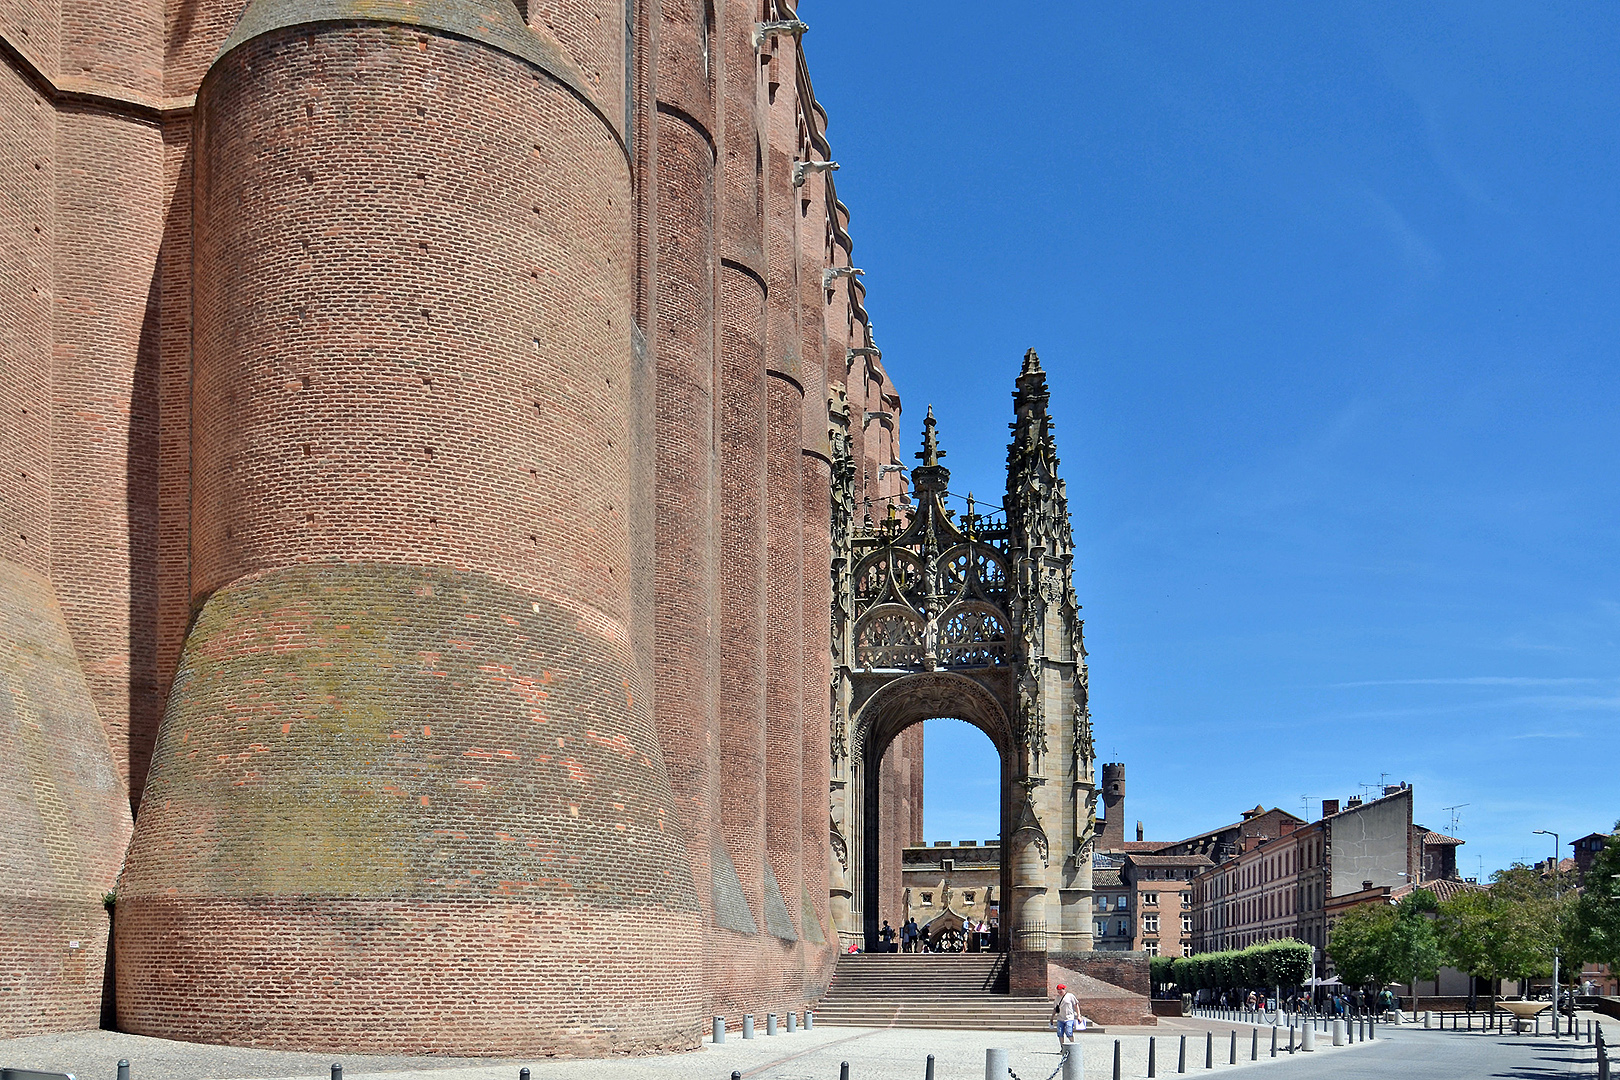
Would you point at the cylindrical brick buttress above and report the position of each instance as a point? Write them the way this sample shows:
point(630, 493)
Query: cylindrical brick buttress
point(407, 795)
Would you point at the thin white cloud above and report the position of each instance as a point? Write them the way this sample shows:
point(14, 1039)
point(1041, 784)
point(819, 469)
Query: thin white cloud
point(1472, 680)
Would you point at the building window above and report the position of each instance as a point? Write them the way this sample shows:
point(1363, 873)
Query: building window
point(928, 899)
point(1150, 924)
point(1102, 903)
point(967, 896)
point(1152, 948)
point(1102, 927)
point(1150, 899)
point(1124, 927)
point(1186, 924)
point(1121, 903)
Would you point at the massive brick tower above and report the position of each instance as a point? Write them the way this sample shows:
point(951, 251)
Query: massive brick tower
point(417, 509)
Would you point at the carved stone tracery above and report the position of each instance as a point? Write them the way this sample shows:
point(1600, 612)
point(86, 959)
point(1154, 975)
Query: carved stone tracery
point(974, 618)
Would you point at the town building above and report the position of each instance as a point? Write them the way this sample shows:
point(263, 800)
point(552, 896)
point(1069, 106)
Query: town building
point(946, 883)
point(1299, 882)
point(1147, 906)
point(1161, 896)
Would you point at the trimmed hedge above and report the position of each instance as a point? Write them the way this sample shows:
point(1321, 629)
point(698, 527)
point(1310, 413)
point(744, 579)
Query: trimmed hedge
point(1271, 963)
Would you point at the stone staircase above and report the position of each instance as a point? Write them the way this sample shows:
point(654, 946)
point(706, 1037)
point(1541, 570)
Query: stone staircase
point(960, 991)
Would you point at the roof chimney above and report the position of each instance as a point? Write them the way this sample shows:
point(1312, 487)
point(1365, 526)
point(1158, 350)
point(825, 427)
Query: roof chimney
point(1355, 801)
point(1394, 789)
point(1366, 886)
point(1138, 832)
point(1330, 807)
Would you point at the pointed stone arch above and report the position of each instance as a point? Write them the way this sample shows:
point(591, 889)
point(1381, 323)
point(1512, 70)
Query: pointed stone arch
point(896, 705)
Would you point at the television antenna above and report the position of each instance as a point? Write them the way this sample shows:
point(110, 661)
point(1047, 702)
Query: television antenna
point(1455, 817)
point(1305, 807)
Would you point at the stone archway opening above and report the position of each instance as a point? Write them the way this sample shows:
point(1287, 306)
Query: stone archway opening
point(952, 871)
point(895, 708)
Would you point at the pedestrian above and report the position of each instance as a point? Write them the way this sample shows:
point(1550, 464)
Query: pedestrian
point(1066, 1016)
point(886, 935)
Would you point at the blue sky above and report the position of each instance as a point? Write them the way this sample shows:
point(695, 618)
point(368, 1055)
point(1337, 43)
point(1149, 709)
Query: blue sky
point(1329, 295)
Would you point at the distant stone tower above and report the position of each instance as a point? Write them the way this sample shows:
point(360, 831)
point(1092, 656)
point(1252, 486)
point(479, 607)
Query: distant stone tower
point(1111, 830)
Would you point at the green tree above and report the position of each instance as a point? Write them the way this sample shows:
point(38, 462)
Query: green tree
point(1291, 962)
point(1536, 913)
point(1159, 970)
point(1413, 949)
point(1595, 925)
point(1358, 944)
point(1468, 928)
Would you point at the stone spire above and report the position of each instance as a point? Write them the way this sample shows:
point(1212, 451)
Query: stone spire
point(1037, 501)
point(930, 476)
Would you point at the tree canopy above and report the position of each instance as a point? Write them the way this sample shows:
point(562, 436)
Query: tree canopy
point(1595, 922)
point(1375, 944)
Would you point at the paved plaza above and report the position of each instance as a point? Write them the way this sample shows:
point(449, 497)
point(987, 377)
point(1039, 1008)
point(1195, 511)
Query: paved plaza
point(873, 1054)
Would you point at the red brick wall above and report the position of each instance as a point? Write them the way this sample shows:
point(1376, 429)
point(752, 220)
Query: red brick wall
point(592, 32)
point(118, 47)
point(405, 808)
point(337, 417)
point(816, 726)
point(686, 657)
point(432, 332)
point(784, 640)
point(109, 225)
point(63, 819)
point(742, 583)
point(475, 766)
point(27, 236)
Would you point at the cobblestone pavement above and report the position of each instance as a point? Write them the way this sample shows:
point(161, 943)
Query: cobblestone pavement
point(873, 1054)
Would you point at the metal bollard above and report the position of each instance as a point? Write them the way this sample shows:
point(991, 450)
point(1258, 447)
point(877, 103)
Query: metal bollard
point(1290, 1039)
point(843, 1070)
point(736, 1074)
point(770, 1023)
point(995, 1064)
point(928, 1074)
point(1152, 1056)
point(1209, 1049)
point(1307, 1040)
point(1074, 1064)
point(1254, 1046)
point(123, 1070)
point(719, 1029)
point(748, 1025)
point(337, 1071)
point(1273, 1041)
point(1428, 1020)
point(1181, 1058)
point(1116, 1059)
point(809, 1020)
point(1234, 1048)
point(1338, 1033)
point(793, 1022)
point(523, 1073)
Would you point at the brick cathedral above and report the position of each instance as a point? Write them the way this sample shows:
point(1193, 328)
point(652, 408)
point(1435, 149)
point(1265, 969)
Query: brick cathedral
point(460, 589)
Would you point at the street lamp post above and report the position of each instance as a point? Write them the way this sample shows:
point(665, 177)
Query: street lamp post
point(1557, 895)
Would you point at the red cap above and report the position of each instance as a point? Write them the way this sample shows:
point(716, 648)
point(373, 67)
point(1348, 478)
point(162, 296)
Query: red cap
point(1062, 987)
